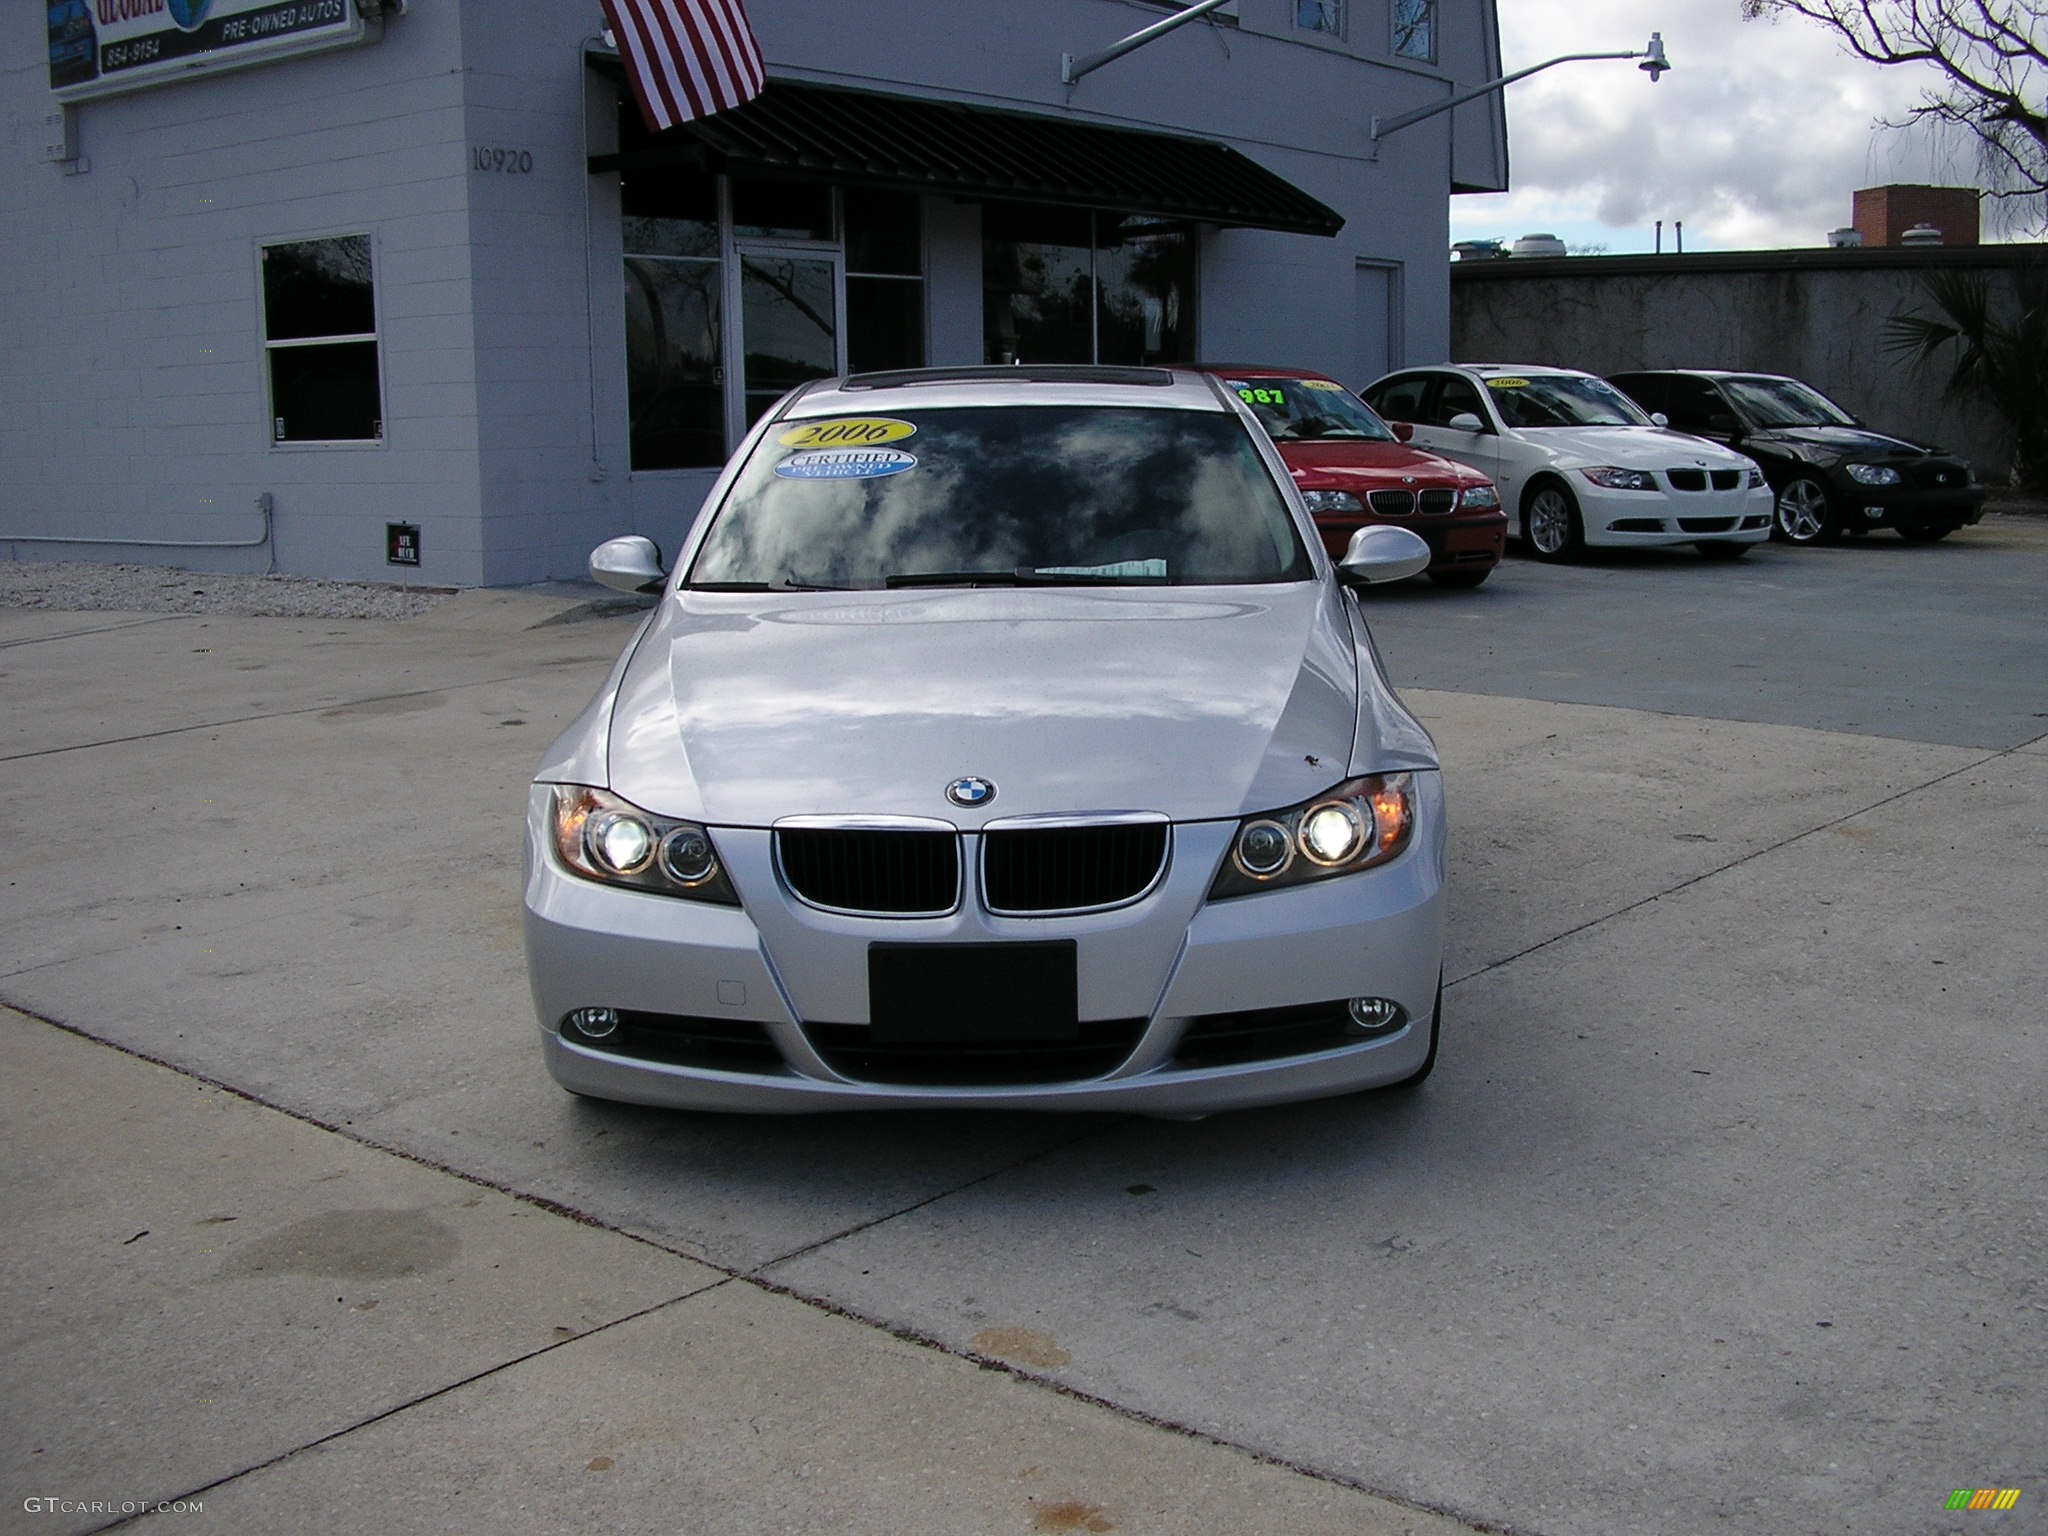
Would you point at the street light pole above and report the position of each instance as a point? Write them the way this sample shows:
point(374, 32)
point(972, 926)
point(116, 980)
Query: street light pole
point(1654, 64)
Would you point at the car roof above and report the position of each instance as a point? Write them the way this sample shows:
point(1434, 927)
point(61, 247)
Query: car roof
point(1260, 371)
point(1703, 373)
point(1021, 384)
point(1547, 369)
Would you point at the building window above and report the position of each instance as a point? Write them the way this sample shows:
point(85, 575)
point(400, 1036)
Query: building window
point(320, 341)
point(1067, 286)
point(884, 280)
point(1325, 16)
point(675, 378)
point(728, 307)
point(1415, 29)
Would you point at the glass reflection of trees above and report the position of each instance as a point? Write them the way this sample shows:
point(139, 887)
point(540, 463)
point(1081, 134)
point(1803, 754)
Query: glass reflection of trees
point(1004, 495)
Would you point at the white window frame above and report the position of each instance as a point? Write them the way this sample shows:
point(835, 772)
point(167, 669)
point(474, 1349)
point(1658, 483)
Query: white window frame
point(375, 337)
point(1435, 17)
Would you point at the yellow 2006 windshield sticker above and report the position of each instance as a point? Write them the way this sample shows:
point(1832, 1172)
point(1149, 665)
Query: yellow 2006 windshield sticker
point(847, 432)
point(1507, 383)
point(1320, 384)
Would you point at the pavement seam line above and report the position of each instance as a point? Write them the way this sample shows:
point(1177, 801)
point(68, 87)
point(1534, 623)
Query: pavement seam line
point(281, 714)
point(80, 634)
point(729, 1273)
point(917, 1205)
point(909, 1335)
point(410, 1403)
point(1737, 863)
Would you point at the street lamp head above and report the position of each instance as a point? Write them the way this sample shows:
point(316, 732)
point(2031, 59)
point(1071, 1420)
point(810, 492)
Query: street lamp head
point(1654, 63)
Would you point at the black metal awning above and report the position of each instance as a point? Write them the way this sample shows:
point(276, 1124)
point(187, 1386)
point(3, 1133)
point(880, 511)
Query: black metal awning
point(859, 137)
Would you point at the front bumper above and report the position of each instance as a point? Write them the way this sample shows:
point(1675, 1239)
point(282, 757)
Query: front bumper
point(1169, 959)
point(1893, 506)
point(1457, 540)
point(1741, 516)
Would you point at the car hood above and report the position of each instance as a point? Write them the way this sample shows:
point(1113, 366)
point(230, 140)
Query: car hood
point(1341, 465)
point(1843, 442)
point(1631, 448)
point(740, 709)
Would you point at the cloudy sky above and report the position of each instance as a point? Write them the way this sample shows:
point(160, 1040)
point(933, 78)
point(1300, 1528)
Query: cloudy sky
point(1756, 139)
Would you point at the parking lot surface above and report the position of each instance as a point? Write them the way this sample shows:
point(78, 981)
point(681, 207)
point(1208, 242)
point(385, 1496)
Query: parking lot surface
point(1722, 1212)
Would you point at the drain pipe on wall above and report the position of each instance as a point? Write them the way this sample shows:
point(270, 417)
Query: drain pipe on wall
point(266, 507)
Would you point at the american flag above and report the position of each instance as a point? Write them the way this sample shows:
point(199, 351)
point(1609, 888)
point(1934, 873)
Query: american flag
point(686, 58)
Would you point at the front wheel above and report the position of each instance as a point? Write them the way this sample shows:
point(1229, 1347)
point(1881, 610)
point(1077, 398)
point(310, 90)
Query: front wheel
point(1460, 581)
point(1721, 549)
point(1550, 523)
point(1804, 513)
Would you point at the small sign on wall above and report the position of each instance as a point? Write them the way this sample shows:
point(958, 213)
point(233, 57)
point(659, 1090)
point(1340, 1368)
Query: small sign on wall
point(401, 543)
point(98, 47)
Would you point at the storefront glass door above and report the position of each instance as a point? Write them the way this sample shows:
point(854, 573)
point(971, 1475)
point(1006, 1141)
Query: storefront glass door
point(789, 328)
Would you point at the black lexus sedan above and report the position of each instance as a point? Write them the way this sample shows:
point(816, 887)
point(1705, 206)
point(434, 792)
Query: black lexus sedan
point(1831, 474)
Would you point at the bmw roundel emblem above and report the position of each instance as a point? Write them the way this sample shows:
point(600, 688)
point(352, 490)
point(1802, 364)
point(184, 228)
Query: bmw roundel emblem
point(970, 792)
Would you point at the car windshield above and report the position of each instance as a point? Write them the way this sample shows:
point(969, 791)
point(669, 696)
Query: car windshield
point(1003, 496)
point(1785, 403)
point(1298, 410)
point(1562, 400)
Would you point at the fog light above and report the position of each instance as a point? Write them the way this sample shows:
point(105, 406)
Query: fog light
point(597, 1023)
point(1376, 1015)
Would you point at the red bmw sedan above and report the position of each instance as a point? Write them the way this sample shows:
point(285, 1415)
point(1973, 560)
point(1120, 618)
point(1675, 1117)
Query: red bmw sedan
point(1354, 470)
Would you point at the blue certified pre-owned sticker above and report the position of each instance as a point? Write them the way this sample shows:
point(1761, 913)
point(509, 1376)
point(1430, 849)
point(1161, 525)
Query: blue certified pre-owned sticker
point(845, 464)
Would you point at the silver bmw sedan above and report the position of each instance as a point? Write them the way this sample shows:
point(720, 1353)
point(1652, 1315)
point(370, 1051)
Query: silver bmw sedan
point(1001, 737)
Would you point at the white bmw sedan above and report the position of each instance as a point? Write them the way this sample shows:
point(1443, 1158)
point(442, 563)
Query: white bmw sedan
point(1000, 737)
point(1577, 462)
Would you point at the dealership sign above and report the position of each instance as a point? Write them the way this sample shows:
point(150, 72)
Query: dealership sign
point(98, 47)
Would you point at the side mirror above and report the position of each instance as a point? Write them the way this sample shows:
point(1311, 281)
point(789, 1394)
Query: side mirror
point(631, 564)
point(1404, 431)
point(1724, 424)
point(1659, 419)
point(1465, 421)
point(1381, 554)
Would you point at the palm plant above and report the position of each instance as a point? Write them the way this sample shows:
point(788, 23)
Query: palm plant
point(1997, 352)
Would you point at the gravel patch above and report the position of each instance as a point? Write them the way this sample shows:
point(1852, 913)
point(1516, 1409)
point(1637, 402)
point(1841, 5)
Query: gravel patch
point(88, 586)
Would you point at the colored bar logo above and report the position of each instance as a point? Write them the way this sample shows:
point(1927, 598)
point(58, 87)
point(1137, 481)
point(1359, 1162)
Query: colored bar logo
point(1983, 1498)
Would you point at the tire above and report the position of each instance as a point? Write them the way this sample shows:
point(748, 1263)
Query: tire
point(1805, 513)
point(1926, 533)
point(1460, 581)
point(1416, 1078)
point(1721, 549)
point(1550, 523)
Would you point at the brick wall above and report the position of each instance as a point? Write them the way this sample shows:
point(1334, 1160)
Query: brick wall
point(1883, 214)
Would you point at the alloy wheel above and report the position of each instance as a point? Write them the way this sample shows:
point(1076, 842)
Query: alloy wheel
point(1803, 511)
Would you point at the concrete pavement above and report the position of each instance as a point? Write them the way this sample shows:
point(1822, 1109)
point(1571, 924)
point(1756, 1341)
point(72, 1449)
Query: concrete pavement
point(1723, 1211)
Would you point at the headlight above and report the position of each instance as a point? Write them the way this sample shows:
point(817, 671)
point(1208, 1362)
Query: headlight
point(1479, 498)
point(603, 838)
point(1621, 479)
point(1872, 474)
point(1332, 501)
point(1756, 479)
point(1358, 824)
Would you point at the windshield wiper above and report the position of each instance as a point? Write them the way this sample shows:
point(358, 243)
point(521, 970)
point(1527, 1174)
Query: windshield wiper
point(784, 584)
point(1011, 578)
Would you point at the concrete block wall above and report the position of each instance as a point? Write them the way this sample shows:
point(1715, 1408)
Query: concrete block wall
point(1815, 315)
point(135, 401)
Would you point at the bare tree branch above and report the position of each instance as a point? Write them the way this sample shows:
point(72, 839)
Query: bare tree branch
point(1992, 59)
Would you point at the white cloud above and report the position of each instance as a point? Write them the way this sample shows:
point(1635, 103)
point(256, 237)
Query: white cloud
point(1757, 138)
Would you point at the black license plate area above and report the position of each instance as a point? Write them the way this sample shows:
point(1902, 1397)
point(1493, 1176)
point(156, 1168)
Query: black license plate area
point(973, 994)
